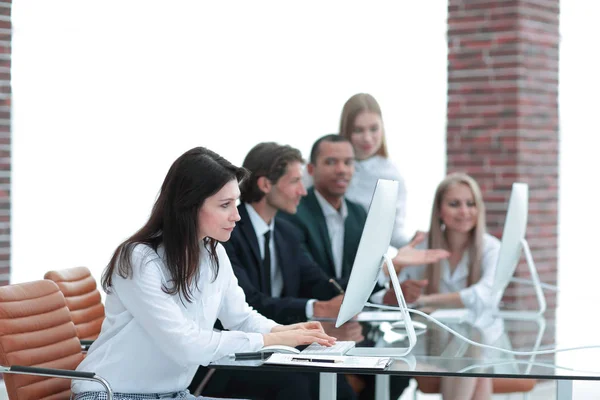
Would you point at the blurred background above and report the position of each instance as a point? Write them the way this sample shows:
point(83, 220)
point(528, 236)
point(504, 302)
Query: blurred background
point(99, 98)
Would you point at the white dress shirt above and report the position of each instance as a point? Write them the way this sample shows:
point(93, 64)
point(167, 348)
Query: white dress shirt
point(477, 296)
point(335, 221)
point(153, 342)
point(362, 186)
point(260, 228)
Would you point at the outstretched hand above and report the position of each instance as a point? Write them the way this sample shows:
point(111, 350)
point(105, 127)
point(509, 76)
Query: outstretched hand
point(409, 255)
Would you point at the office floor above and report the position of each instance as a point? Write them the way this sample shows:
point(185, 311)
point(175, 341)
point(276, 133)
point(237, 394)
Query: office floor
point(543, 391)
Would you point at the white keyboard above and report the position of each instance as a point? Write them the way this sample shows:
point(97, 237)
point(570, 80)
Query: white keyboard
point(338, 349)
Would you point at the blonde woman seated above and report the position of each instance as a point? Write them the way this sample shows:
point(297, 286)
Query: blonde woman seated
point(465, 279)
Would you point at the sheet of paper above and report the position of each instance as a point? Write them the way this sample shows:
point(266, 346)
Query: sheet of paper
point(329, 361)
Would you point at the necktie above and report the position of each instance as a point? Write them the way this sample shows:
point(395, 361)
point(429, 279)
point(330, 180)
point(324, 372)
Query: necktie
point(267, 264)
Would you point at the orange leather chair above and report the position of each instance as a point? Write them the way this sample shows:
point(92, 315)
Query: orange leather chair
point(83, 300)
point(38, 342)
point(432, 384)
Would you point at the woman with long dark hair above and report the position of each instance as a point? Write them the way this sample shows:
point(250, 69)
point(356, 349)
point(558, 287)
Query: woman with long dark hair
point(167, 285)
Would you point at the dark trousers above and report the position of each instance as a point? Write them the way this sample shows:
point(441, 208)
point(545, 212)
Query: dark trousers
point(397, 386)
point(268, 385)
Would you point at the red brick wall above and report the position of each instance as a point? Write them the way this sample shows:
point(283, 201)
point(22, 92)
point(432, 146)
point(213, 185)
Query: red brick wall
point(503, 115)
point(5, 139)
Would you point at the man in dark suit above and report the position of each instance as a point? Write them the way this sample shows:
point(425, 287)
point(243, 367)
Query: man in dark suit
point(332, 227)
point(278, 277)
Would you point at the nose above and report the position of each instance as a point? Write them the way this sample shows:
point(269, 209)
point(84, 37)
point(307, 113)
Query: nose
point(302, 191)
point(341, 168)
point(236, 215)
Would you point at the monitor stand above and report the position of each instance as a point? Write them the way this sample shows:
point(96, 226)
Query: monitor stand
point(403, 308)
point(537, 286)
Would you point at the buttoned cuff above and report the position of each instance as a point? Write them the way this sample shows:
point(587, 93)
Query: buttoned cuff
point(310, 308)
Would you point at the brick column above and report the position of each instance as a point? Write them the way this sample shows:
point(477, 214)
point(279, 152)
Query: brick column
point(5, 139)
point(503, 116)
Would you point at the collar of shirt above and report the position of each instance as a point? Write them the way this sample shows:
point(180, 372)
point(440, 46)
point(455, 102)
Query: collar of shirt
point(328, 209)
point(259, 224)
point(460, 274)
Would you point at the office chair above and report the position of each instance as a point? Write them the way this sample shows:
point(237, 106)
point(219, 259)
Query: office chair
point(38, 343)
point(432, 384)
point(83, 300)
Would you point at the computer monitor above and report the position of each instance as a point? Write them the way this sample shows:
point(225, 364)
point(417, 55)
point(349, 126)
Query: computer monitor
point(513, 242)
point(370, 255)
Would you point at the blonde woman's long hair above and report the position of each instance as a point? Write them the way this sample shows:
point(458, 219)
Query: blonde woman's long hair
point(437, 235)
point(355, 105)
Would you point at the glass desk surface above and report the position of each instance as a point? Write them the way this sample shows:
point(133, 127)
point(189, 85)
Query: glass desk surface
point(439, 353)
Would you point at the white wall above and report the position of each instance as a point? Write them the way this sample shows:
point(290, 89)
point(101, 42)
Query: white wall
point(107, 94)
point(579, 265)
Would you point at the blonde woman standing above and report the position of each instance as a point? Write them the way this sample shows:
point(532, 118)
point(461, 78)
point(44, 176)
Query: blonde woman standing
point(361, 123)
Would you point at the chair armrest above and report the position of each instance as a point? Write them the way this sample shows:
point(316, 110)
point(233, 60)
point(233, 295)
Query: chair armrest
point(58, 373)
point(85, 344)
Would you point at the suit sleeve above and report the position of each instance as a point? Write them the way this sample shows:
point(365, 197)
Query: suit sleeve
point(303, 236)
point(314, 282)
point(283, 310)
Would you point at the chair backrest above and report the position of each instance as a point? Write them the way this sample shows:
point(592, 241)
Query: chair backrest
point(36, 330)
point(432, 384)
point(83, 299)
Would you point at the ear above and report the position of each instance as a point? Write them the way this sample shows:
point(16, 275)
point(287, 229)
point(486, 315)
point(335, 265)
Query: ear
point(310, 168)
point(264, 184)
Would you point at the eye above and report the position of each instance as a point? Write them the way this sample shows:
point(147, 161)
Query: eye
point(374, 128)
point(471, 204)
point(329, 161)
point(350, 162)
point(225, 205)
point(453, 204)
point(357, 129)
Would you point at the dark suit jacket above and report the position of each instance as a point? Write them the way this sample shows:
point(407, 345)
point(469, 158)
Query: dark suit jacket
point(310, 220)
point(302, 278)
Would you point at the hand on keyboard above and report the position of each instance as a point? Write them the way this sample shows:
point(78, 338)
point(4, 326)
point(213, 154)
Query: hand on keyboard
point(338, 349)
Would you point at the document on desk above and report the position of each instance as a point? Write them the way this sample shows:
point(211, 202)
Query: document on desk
point(330, 361)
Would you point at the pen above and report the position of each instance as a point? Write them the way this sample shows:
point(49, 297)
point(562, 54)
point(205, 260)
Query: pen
point(337, 286)
point(317, 360)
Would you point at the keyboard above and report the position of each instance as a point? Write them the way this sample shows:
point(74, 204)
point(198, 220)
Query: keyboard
point(338, 349)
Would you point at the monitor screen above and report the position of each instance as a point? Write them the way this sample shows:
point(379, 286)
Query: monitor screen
point(512, 237)
point(374, 243)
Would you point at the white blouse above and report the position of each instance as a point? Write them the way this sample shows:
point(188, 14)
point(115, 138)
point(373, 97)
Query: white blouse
point(362, 186)
point(477, 296)
point(153, 342)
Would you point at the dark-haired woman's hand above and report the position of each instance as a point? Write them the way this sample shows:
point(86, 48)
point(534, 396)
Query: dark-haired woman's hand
point(298, 337)
point(316, 325)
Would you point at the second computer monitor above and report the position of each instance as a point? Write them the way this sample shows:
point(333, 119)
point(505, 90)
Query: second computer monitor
point(374, 243)
point(512, 238)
